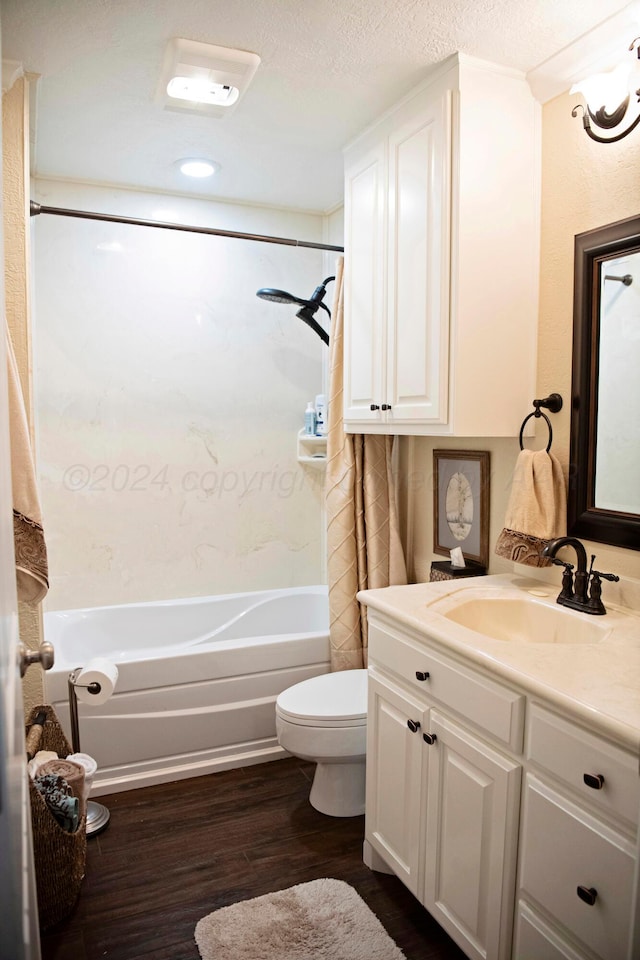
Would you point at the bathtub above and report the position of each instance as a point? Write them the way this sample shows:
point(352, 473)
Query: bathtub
point(197, 680)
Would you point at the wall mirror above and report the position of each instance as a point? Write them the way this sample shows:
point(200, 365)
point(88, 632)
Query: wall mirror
point(604, 473)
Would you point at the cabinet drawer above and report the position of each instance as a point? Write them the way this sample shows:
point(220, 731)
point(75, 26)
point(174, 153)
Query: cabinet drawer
point(489, 705)
point(536, 941)
point(564, 848)
point(571, 753)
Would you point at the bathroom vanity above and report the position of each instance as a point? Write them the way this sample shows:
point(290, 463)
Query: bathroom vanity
point(503, 781)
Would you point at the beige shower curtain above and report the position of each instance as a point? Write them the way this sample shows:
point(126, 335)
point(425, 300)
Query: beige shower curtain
point(363, 542)
point(30, 548)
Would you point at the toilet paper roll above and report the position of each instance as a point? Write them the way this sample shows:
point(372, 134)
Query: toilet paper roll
point(99, 671)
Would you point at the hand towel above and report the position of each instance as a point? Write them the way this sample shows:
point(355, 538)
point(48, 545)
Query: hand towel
point(30, 549)
point(72, 773)
point(537, 509)
point(41, 757)
point(58, 797)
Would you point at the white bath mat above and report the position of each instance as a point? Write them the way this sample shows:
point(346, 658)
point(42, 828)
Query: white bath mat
point(321, 920)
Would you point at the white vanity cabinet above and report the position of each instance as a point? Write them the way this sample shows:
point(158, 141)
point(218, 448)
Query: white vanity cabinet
point(578, 843)
point(441, 258)
point(512, 824)
point(442, 802)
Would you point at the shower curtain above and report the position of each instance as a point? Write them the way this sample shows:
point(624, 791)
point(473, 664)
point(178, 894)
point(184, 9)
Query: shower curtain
point(363, 542)
point(30, 549)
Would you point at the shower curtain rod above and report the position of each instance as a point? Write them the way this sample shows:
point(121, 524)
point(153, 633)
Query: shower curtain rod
point(38, 208)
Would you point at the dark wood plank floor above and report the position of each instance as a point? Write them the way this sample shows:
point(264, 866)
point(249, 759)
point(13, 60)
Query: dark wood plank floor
point(173, 853)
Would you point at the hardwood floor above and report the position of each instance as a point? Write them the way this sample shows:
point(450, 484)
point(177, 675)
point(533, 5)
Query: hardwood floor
point(173, 853)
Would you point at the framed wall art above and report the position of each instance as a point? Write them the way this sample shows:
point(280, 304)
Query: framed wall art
point(461, 503)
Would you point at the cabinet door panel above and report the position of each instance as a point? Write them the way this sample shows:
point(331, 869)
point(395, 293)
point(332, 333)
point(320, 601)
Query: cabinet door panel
point(418, 300)
point(394, 779)
point(364, 280)
point(471, 838)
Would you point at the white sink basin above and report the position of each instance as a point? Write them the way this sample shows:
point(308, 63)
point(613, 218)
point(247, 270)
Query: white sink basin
point(520, 619)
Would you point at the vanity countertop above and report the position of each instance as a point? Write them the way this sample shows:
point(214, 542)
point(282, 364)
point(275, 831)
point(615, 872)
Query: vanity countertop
point(599, 683)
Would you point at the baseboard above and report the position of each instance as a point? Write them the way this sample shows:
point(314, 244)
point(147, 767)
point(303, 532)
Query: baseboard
point(132, 780)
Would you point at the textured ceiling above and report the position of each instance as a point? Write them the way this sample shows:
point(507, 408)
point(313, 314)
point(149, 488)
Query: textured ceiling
point(328, 68)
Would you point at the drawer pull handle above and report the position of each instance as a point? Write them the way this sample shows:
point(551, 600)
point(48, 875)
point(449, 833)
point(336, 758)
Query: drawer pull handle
point(422, 674)
point(413, 725)
point(385, 406)
point(429, 738)
point(594, 780)
point(374, 406)
point(587, 894)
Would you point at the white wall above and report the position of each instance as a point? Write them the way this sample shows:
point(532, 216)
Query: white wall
point(168, 400)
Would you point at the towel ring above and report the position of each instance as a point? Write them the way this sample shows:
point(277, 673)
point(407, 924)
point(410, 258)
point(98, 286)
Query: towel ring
point(554, 403)
point(537, 413)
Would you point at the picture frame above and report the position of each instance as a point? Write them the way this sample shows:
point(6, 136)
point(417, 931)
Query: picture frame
point(461, 503)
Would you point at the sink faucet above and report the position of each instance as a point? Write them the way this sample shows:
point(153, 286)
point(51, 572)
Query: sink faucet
point(582, 591)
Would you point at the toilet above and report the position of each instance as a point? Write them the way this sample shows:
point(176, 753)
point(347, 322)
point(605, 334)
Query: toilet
point(324, 719)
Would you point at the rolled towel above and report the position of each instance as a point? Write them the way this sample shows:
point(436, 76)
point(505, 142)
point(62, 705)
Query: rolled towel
point(90, 767)
point(72, 773)
point(57, 795)
point(42, 756)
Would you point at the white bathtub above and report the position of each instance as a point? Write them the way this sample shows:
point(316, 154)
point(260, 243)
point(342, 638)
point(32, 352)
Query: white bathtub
point(197, 681)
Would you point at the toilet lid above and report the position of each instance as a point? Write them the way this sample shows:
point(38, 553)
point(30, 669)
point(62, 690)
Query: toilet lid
point(331, 699)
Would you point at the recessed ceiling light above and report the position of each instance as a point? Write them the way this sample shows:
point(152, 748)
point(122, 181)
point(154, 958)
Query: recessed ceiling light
point(195, 167)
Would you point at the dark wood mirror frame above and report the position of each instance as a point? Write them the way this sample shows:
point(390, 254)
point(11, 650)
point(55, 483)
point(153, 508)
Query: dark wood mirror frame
point(584, 519)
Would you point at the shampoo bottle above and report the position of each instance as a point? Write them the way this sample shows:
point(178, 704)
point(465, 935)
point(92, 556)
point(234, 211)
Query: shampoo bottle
point(310, 420)
point(321, 415)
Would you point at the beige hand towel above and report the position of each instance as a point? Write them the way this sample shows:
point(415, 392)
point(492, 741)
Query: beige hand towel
point(30, 549)
point(537, 509)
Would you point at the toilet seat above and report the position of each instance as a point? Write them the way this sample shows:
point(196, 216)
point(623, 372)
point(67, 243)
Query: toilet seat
point(330, 700)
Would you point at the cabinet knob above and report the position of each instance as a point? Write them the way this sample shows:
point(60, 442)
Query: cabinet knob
point(429, 738)
point(587, 894)
point(594, 780)
point(386, 406)
point(413, 725)
point(422, 674)
point(375, 406)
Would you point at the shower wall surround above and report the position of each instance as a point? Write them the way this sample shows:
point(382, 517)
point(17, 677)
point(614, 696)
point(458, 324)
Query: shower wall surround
point(168, 398)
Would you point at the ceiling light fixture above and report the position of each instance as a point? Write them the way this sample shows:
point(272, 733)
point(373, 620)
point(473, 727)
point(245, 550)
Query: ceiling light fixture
point(608, 96)
point(203, 78)
point(197, 167)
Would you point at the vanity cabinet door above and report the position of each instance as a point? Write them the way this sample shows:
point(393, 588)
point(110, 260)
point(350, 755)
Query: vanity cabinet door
point(395, 772)
point(470, 844)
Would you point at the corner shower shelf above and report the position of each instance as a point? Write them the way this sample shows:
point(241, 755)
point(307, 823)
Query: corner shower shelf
point(312, 449)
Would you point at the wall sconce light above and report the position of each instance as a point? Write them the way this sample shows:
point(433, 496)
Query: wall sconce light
point(608, 96)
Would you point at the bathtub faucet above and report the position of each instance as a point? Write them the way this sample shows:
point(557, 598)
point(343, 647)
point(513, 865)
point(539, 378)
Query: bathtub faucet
point(584, 590)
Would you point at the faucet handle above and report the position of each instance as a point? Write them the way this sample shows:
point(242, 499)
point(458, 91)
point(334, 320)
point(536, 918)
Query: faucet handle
point(562, 563)
point(605, 576)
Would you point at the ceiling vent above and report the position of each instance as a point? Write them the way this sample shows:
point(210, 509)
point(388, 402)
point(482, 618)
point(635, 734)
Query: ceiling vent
point(202, 78)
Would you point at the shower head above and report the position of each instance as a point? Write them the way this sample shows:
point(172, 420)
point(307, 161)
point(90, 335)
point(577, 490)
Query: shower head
point(307, 307)
point(277, 296)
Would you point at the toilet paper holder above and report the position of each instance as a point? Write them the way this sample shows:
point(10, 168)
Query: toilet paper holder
point(97, 814)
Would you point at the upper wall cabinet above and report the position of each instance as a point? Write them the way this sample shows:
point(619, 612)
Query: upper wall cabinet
point(441, 258)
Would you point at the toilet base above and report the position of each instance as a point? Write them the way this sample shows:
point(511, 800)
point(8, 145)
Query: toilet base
point(338, 789)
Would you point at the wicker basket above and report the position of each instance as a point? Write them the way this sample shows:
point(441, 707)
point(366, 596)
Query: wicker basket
point(59, 856)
